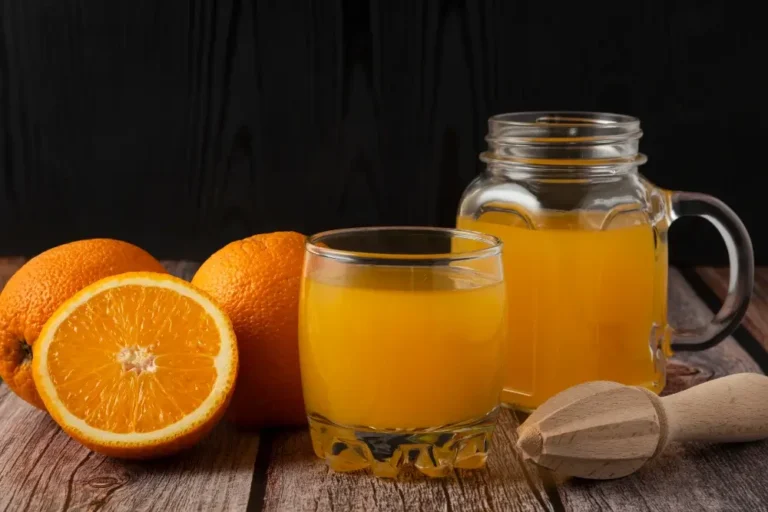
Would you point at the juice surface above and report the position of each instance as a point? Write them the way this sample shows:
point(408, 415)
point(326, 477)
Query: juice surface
point(401, 347)
point(584, 303)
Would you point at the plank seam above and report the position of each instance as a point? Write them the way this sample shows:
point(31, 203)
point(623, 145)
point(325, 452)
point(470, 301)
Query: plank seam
point(547, 481)
point(260, 468)
point(550, 488)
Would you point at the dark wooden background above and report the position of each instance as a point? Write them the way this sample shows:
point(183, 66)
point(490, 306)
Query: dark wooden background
point(181, 125)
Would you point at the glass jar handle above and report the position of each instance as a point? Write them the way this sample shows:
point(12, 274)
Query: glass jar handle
point(742, 270)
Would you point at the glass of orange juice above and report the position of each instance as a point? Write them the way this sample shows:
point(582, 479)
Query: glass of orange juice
point(402, 340)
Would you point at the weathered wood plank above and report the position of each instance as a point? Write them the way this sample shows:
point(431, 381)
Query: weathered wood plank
point(7, 268)
point(756, 319)
point(687, 476)
point(41, 468)
point(298, 481)
point(693, 476)
point(181, 268)
point(686, 308)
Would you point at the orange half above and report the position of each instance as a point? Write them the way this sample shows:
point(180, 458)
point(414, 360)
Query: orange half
point(136, 365)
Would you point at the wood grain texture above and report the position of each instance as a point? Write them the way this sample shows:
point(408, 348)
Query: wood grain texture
point(756, 319)
point(687, 309)
point(7, 268)
point(690, 476)
point(597, 430)
point(41, 468)
point(223, 118)
point(604, 430)
point(181, 268)
point(298, 481)
point(731, 409)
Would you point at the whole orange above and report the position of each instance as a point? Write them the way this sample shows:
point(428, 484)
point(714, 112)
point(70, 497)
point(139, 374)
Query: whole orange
point(256, 282)
point(45, 282)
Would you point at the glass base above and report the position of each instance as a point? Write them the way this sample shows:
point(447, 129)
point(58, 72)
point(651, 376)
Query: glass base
point(433, 451)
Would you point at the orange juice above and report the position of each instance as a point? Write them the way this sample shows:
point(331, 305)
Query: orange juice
point(584, 303)
point(397, 347)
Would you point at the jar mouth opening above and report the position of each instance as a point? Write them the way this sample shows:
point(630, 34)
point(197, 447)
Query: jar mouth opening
point(573, 118)
point(552, 128)
point(563, 136)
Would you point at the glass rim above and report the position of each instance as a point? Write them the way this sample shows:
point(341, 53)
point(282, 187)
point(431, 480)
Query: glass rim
point(557, 128)
point(574, 118)
point(494, 246)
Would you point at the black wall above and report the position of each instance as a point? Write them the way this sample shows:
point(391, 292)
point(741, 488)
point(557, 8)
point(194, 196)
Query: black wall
point(180, 126)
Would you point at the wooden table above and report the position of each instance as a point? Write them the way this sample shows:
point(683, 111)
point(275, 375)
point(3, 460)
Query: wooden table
point(43, 469)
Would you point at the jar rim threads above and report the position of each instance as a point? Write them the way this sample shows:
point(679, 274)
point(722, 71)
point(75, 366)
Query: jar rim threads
point(564, 138)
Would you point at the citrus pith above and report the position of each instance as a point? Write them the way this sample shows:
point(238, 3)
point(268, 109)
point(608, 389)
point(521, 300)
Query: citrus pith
point(137, 365)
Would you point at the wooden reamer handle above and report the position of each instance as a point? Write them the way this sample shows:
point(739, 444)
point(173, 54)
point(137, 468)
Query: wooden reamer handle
point(728, 409)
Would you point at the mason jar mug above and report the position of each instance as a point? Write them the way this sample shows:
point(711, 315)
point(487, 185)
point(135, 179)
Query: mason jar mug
point(585, 253)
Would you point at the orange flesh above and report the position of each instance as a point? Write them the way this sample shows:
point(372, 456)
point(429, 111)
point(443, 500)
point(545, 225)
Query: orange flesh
point(143, 358)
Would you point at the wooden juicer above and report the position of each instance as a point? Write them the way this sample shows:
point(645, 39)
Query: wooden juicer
point(603, 430)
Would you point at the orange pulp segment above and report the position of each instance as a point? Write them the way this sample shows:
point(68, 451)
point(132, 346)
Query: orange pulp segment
point(137, 365)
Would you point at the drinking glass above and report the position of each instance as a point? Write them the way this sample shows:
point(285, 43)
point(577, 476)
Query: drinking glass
point(402, 341)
